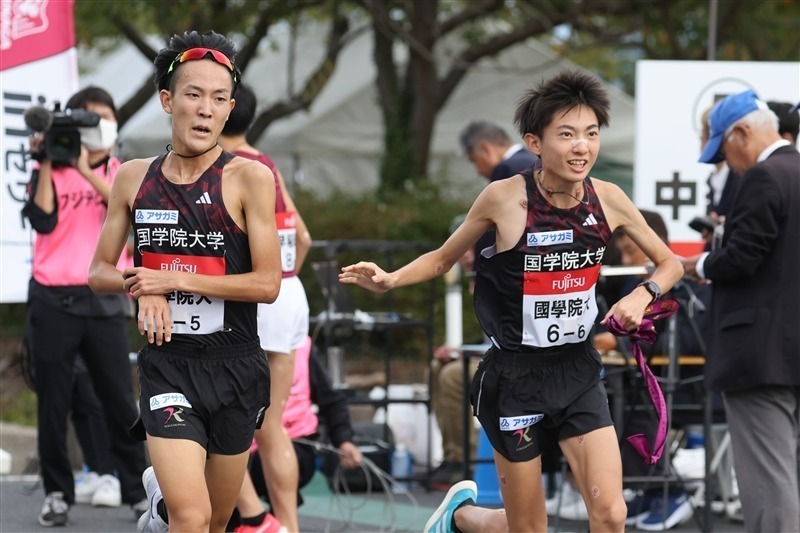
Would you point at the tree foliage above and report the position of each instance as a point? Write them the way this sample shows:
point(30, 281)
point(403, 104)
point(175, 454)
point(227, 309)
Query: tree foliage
point(611, 43)
point(443, 41)
point(423, 49)
point(101, 21)
point(607, 36)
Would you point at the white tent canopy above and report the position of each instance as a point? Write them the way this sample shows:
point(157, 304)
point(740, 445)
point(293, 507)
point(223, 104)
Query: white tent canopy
point(337, 144)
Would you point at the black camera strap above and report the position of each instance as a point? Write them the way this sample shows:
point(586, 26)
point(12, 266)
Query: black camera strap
point(102, 162)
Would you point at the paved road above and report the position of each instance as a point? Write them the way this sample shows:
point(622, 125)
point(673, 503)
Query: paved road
point(21, 499)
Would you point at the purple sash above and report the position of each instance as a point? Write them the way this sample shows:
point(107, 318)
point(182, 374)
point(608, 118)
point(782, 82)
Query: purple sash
point(647, 333)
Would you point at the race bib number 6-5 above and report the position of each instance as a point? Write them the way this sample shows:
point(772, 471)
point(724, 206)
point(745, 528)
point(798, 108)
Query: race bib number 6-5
point(192, 314)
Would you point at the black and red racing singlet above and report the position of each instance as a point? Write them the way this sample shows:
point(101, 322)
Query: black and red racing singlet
point(186, 227)
point(540, 294)
point(285, 220)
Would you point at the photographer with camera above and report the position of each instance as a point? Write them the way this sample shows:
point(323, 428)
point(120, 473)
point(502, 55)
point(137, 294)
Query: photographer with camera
point(69, 192)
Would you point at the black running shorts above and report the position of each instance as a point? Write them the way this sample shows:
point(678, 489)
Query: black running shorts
point(517, 395)
point(216, 396)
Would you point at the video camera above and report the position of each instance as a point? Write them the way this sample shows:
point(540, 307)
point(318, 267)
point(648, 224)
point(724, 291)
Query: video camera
point(62, 140)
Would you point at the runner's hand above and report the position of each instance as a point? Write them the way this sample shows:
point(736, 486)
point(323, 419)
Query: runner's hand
point(629, 311)
point(140, 281)
point(367, 275)
point(154, 319)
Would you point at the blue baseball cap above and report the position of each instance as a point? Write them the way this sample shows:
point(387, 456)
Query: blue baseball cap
point(725, 114)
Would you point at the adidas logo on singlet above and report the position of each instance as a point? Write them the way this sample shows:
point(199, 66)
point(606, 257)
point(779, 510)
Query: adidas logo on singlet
point(590, 220)
point(206, 199)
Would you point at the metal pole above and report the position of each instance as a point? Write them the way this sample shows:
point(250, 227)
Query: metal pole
point(711, 49)
point(454, 335)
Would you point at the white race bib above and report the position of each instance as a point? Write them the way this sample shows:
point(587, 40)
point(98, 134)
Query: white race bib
point(192, 314)
point(558, 307)
point(287, 234)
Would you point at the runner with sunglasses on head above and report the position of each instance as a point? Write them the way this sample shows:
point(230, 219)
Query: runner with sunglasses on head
point(206, 252)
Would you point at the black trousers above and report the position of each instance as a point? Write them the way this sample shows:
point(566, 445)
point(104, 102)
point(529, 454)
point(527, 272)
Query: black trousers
point(91, 432)
point(55, 337)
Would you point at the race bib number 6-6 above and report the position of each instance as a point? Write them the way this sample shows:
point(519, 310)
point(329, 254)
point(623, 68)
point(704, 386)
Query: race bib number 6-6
point(192, 314)
point(558, 307)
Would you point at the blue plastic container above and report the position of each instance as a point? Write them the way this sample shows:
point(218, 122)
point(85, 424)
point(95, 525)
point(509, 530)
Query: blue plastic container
point(486, 474)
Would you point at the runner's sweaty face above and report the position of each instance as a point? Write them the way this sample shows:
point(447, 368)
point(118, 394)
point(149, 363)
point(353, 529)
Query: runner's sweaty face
point(199, 103)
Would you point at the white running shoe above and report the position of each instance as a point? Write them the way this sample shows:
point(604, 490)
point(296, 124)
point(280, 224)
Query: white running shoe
point(150, 521)
point(553, 505)
point(572, 506)
point(108, 492)
point(85, 486)
point(54, 510)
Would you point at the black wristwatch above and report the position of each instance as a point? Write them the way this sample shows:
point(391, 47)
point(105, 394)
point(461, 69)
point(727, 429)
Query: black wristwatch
point(653, 288)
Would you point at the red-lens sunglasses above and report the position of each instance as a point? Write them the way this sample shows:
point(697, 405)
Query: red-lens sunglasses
point(201, 53)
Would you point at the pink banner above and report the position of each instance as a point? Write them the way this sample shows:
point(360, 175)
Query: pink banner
point(34, 29)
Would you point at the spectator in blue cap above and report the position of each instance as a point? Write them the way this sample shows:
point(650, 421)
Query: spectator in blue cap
point(723, 117)
point(754, 355)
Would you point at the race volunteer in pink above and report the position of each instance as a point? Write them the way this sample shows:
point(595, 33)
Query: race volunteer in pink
point(67, 209)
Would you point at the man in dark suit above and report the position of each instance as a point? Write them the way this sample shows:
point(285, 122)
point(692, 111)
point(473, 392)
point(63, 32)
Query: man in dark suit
point(492, 152)
point(754, 357)
point(495, 157)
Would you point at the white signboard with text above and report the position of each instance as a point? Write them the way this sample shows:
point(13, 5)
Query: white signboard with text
point(671, 97)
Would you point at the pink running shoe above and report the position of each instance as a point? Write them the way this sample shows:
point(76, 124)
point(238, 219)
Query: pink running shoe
point(269, 525)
